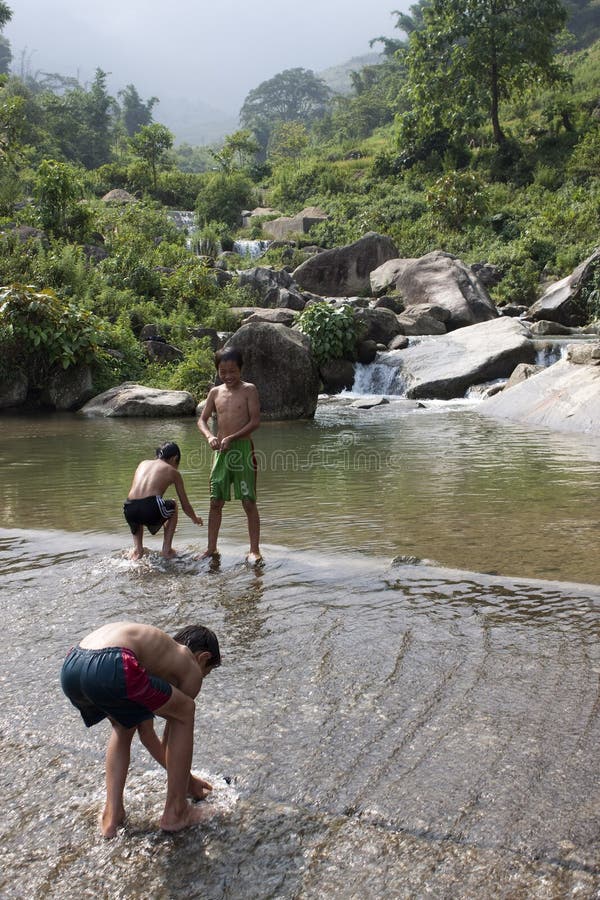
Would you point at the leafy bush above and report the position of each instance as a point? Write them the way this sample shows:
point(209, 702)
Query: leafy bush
point(195, 373)
point(222, 198)
point(41, 332)
point(332, 331)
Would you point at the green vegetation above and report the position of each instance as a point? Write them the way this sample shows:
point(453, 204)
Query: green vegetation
point(475, 132)
point(332, 331)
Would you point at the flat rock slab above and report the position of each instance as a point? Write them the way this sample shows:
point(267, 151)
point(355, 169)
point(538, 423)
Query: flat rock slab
point(445, 367)
point(130, 399)
point(563, 397)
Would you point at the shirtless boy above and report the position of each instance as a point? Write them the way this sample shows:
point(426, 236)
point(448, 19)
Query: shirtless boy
point(145, 505)
point(128, 672)
point(236, 406)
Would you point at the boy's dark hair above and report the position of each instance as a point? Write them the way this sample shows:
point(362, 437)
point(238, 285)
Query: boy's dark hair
point(200, 638)
point(230, 354)
point(168, 450)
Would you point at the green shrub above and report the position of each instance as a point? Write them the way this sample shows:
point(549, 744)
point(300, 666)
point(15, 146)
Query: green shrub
point(42, 332)
point(332, 331)
point(195, 373)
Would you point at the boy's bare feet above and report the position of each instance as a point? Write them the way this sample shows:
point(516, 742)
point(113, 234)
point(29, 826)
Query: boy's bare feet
point(169, 554)
point(254, 559)
point(210, 554)
point(110, 823)
point(190, 816)
point(136, 554)
point(198, 789)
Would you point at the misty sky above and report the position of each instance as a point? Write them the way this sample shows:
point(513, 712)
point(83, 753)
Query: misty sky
point(216, 51)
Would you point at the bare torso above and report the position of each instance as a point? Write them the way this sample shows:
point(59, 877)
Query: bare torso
point(158, 653)
point(232, 408)
point(152, 477)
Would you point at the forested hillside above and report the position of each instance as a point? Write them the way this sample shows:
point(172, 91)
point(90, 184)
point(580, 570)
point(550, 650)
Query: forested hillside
point(477, 133)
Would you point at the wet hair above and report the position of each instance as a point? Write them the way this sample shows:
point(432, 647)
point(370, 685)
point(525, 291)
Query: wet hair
point(168, 450)
point(230, 354)
point(199, 639)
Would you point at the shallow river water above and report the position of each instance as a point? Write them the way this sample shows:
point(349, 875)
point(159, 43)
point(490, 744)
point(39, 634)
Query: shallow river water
point(409, 700)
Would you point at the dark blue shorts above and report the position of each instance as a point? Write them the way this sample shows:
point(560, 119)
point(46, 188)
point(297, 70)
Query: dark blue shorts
point(111, 683)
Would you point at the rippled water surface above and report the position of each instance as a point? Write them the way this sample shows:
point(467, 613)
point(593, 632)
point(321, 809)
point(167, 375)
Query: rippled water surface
point(423, 727)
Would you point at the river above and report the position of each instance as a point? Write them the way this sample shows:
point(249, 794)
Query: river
point(409, 699)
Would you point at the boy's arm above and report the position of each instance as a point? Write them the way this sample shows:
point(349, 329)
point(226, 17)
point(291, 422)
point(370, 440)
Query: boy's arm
point(183, 498)
point(253, 418)
point(205, 417)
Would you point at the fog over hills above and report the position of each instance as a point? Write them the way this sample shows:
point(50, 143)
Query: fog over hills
point(200, 60)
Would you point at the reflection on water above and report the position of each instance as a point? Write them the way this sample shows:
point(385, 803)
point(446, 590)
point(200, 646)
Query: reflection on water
point(440, 483)
point(378, 728)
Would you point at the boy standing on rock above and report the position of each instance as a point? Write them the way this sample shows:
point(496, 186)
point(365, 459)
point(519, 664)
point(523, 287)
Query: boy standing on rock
point(237, 408)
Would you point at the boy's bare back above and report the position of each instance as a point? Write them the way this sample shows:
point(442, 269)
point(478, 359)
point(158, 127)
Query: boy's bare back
point(156, 651)
point(151, 478)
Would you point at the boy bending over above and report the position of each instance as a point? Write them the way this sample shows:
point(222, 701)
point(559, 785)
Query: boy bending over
point(145, 505)
point(128, 673)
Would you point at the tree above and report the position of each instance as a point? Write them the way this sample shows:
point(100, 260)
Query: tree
point(134, 112)
point(295, 95)
point(470, 55)
point(58, 188)
point(238, 148)
point(151, 144)
point(5, 51)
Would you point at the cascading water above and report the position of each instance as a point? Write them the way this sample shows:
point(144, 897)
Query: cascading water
point(184, 220)
point(253, 249)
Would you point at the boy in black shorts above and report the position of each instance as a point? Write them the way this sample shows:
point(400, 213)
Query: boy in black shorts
point(145, 505)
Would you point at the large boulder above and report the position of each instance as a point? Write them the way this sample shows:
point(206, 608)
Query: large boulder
point(161, 352)
point(278, 360)
point(263, 281)
point(379, 325)
point(445, 367)
point(68, 389)
point(13, 391)
point(439, 279)
point(559, 303)
point(345, 271)
point(563, 397)
point(130, 399)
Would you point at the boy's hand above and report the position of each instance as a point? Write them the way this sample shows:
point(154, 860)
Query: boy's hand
point(197, 520)
point(214, 443)
point(225, 443)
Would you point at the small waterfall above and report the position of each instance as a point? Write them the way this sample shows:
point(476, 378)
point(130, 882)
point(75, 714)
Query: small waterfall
point(549, 352)
point(184, 220)
point(253, 249)
point(377, 378)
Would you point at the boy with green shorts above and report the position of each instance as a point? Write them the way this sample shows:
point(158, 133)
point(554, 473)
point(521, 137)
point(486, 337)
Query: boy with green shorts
point(236, 406)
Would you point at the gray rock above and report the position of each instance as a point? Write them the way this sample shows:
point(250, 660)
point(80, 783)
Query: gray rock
point(563, 397)
point(416, 320)
point(559, 302)
point(262, 279)
point(275, 316)
point(521, 373)
point(445, 367)
point(278, 360)
point(366, 351)
point(301, 223)
point(13, 391)
point(442, 280)
point(130, 399)
point(584, 354)
point(68, 389)
point(345, 271)
point(161, 352)
point(369, 402)
point(400, 342)
point(543, 327)
point(379, 325)
point(393, 303)
point(337, 375)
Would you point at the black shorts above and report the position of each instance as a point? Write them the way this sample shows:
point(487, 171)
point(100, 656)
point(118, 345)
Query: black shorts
point(152, 512)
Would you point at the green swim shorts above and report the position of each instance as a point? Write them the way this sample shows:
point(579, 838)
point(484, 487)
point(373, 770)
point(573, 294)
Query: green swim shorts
point(234, 467)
